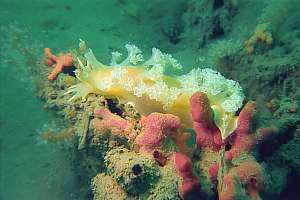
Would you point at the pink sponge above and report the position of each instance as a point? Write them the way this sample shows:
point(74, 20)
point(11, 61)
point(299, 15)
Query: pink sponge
point(106, 121)
point(155, 128)
point(190, 185)
point(213, 172)
point(208, 135)
point(242, 139)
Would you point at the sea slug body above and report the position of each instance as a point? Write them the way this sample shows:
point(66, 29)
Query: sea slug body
point(145, 84)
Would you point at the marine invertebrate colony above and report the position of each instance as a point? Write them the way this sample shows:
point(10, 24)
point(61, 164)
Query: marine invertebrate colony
point(151, 90)
point(250, 174)
point(112, 123)
point(148, 155)
point(261, 35)
point(157, 127)
point(208, 135)
point(190, 184)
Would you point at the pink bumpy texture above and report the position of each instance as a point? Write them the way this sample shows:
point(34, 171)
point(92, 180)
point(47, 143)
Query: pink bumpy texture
point(208, 135)
point(190, 186)
point(106, 121)
point(155, 128)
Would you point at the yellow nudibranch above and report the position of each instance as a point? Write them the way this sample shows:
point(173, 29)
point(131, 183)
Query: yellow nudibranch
point(150, 90)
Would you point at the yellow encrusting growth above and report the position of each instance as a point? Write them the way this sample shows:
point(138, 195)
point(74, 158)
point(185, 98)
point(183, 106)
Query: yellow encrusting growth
point(150, 90)
point(262, 34)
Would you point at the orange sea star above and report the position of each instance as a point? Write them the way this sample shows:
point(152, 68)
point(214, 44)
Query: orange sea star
point(62, 61)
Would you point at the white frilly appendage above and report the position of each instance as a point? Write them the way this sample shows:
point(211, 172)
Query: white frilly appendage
point(216, 86)
point(79, 91)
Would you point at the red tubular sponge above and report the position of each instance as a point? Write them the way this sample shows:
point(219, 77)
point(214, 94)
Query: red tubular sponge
point(191, 183)
point(208, 135)
point(242, 139)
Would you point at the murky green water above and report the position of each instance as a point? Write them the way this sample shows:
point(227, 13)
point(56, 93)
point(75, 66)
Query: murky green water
point(30, 169)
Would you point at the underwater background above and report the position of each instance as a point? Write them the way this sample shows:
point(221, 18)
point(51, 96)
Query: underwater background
point(254, 42)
